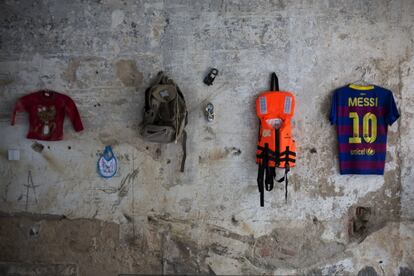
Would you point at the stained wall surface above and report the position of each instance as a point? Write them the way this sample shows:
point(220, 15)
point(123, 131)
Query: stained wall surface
point(150, 218)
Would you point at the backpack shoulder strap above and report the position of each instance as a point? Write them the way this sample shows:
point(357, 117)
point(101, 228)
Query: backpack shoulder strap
point(147, 99)
point(148, 90)
point(160, 78)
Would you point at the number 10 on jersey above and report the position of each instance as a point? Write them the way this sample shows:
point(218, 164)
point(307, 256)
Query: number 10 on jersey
point(369, 128)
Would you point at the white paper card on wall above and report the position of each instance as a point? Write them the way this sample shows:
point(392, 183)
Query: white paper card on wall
point(14, 154)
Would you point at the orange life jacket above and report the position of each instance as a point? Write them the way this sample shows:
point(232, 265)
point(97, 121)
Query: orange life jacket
point(276, 146)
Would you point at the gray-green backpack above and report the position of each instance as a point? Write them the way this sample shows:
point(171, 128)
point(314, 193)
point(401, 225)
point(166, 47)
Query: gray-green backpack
point(165, 114)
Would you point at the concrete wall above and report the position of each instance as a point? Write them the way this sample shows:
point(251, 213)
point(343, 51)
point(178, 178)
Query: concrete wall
point(105, 53)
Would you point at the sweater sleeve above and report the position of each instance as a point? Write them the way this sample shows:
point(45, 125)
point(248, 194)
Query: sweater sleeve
point(19, 107)
point(73, 114)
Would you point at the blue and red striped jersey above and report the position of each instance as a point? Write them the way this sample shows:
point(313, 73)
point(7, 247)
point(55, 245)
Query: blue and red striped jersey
point(362, 115)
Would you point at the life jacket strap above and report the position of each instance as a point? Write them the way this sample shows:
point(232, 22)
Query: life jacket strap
point(270, 175)
point(268, 150)
point(269, 157)
point(266, 174)
point(272, 156)
point(274, 82)
point(260, 184)
point(286, 159)
point(288, 152)
point(285, 178)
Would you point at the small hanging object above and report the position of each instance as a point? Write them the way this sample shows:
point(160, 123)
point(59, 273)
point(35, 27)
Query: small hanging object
point(211, 76)
point(209, 112)
point(107, 163)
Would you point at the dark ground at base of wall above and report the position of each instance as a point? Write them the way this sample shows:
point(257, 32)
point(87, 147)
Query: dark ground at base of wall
point(54, 245)
point(33, 244)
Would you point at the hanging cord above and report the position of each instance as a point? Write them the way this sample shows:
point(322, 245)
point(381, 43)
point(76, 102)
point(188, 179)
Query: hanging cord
point(30, 185)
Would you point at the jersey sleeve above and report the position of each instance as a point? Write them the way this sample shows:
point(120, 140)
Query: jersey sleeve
point(73, 114)
point(392, 112)
point(334, 105)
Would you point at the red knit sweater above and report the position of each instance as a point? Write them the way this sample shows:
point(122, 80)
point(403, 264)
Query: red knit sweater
point(47, 111)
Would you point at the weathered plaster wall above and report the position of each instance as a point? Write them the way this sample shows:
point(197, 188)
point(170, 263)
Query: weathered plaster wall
point(105, 53)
